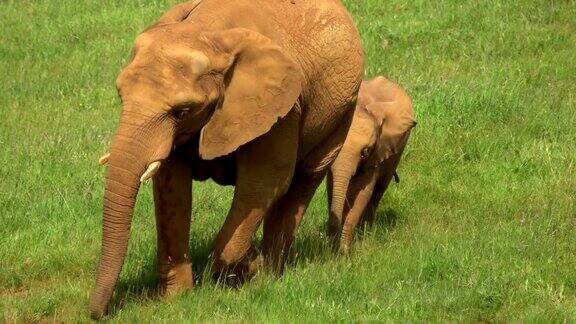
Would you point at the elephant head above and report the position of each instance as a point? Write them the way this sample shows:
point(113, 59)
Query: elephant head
point(228, 86)
point(379, 131)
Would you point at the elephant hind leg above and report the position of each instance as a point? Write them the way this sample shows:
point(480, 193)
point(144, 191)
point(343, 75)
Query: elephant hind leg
point(280, 227)
point(264, 172)
point(173, 202)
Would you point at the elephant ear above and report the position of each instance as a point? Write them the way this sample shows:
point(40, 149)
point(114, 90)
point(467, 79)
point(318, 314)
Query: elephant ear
point(262, 85)
point(396, 124)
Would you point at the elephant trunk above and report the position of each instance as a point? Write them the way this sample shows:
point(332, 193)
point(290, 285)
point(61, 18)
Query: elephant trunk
point(119, 199)
point(130, 154)
point(342, 172)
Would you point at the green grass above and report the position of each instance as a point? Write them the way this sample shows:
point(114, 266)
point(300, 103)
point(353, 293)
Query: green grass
point(482, 227)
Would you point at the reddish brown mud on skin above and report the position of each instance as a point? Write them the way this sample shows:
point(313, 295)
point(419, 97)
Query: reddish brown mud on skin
point(243, 78)
point(370, 155)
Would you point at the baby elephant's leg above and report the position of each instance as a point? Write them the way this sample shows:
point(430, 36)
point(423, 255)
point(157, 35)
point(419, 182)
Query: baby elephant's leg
point(370, 212)
point(360, 194)
point(387, 173)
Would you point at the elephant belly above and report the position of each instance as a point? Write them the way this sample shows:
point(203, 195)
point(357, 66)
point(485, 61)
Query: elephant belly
point(222, 170)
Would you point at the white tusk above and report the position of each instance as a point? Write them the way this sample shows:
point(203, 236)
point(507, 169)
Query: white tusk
point(152, 168)
point(104, 159)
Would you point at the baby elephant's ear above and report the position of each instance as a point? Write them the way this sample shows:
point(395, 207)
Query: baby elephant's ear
point(262, 85)
point(395, 128)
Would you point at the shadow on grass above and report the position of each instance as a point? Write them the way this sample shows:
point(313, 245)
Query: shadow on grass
point(140, 287)
point(385, 219)
point(315, 246)
point(312, 246)
point(143, 286)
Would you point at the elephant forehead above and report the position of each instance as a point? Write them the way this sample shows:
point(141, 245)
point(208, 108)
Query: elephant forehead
point(166, 71)
point(196, 61)
point(136, 75)
point(363, 127)
point(378, 89)
point(143, 40)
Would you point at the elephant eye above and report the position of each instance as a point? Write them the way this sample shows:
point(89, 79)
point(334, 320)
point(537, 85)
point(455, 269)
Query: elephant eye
point(181, 113)
point(365, 152)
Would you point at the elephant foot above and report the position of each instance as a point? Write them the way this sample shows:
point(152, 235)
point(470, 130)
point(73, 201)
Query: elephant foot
point(275, 259)
point(334, 228)
point(367, 219)
point(176, 279)
point(344, 248)
point(334, 233)
point(235, 274)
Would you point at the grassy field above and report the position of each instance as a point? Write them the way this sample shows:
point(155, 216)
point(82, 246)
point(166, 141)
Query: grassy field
point(481, 228)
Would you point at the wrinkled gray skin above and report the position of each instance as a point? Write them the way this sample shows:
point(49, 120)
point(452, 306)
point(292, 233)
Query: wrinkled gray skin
point(266, 88)
point(368, 160)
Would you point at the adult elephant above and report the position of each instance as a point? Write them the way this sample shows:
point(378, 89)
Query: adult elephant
point(267, 86)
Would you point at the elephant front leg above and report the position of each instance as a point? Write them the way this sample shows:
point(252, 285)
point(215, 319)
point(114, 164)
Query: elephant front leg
point(370, 212)
point(264, 172)
point(388, 169)
point(173, 203)
point(256, 192)
point(360, 194)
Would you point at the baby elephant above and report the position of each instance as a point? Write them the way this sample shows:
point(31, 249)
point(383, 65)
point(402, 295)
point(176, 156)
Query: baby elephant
point(369, 158)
